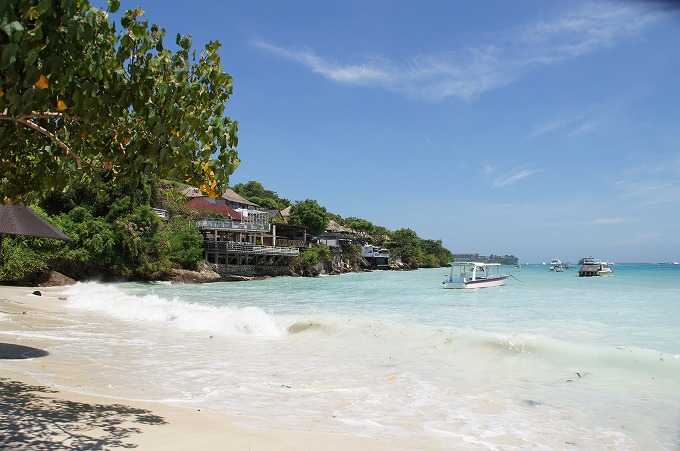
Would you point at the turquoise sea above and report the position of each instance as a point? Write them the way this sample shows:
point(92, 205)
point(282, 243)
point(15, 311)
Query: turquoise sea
point(549, 361)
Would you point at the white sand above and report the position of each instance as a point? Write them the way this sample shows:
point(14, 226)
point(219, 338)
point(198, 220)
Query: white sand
point(35, 416)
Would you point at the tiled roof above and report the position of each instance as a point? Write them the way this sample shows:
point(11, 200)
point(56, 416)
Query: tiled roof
point(202, 203)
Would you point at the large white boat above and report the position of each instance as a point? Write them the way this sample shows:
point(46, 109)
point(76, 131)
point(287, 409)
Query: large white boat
point(593, 267)
point(474, 275)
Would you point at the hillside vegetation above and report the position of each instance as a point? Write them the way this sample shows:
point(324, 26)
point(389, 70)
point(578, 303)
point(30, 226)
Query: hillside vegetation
point(118, 235)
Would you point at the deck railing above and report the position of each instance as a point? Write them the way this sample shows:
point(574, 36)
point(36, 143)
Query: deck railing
point(292, 243)
point(232, 247)
point(230, 224)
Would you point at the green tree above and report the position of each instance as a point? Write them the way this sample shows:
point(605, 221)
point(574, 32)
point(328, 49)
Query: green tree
point(255, 192)
point(19, 261)
point(79, 100)
point(405, 244)
point(185, 242)
point(309, 214)
point(437, 254)
point(93, 249)
point(360, 225)
point(138, 244)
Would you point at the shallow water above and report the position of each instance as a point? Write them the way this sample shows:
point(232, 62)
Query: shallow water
point(548, 361)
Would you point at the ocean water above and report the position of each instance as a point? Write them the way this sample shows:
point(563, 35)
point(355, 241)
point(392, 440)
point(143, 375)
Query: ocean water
point(548, 361)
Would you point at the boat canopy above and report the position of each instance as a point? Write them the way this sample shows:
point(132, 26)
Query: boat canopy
point(473, 264)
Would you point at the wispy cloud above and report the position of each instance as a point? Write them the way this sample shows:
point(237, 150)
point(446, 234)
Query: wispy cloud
point(514, 177)
point(607, 221)
point(653, 184)
point(653, 192)
point(365, 73)
point(587, 119)
point(468, 73)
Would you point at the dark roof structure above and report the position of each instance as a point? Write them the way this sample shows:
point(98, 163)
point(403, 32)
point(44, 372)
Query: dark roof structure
point(20, 220)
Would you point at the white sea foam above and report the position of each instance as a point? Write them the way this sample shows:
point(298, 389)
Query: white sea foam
point(552, 361)
point(187, 316)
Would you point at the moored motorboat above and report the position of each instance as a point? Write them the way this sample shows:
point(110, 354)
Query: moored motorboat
point(474, 275)
point(593, 267)
point(556, 265)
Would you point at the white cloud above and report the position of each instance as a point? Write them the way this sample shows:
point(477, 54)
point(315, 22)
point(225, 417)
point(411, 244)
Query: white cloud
point(470, 72)
point(513, 178)
point(657, 183)
point(652, 192)
point(608, 221)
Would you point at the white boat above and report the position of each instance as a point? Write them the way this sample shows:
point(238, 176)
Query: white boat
point(556, 265)
point(474, 275)
point(592, 267)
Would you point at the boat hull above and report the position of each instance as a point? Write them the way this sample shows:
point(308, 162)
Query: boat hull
point(480, 283)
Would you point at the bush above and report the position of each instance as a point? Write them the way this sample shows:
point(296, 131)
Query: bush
point(185, 243)
point(311, 261)
point(18, 262)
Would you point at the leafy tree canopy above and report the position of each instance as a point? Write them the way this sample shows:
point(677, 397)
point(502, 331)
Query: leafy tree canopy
point(309, 214)
point(255, 192)
point(79, 101)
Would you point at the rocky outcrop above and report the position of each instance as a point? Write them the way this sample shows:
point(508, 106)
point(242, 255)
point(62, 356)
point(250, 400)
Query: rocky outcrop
point(398, 265)
point(53, 279)
point(204, 275)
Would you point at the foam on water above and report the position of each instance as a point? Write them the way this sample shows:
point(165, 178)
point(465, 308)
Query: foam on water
point(550, 361)
point(227, 320)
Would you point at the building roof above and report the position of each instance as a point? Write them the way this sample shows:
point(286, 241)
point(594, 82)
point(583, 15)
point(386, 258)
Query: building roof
point(192, 192)
point(335, 227)
point(286, 211)
point(276, 214)
point(21, 220)
point(202, 203)
point(231, 196)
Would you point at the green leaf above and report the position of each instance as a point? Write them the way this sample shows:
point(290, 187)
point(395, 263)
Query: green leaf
point(113, 5)
point(9, 53)
point(32, 76)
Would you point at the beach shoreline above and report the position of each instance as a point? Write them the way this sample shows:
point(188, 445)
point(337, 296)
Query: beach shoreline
point(40, 414)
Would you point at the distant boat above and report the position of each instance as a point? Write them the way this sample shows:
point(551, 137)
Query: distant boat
point(556, 265)
point(592, 267)
point(474, 275)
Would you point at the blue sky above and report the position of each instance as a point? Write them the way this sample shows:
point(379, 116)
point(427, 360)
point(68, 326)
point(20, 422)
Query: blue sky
point(539, 129)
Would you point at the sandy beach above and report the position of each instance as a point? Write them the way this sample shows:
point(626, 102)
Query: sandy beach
point(38, 416)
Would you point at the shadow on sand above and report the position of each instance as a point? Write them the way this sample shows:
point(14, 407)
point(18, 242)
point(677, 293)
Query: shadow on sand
point(9, 351)
point(32, 419)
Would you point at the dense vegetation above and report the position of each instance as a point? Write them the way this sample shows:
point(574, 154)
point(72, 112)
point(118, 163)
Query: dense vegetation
point(115, 232)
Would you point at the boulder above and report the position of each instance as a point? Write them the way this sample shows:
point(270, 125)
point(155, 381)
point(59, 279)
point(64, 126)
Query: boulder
point(53, 279)
point(204, 275)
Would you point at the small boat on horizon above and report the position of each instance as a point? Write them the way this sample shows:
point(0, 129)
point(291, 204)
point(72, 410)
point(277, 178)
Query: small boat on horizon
point(474, 275)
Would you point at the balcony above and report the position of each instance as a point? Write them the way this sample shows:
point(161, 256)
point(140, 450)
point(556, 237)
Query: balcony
point(231, 225)
point(232, 247)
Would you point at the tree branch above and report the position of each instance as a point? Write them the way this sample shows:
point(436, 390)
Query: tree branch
point(25, 120)
point(53, 137)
